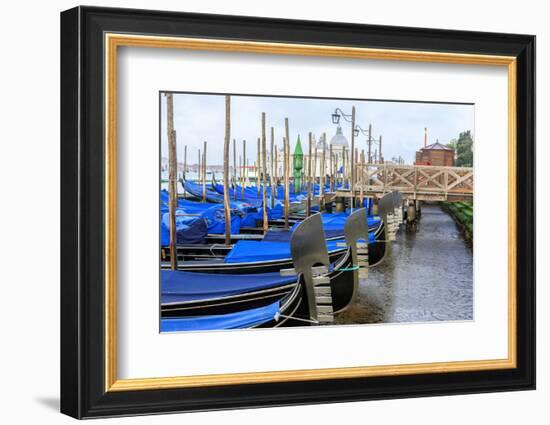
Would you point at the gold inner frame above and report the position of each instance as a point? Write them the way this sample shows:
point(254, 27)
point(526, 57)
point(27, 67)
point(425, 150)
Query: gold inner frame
point(113, 41)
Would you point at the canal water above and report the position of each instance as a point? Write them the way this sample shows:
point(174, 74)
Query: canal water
point(426, 276)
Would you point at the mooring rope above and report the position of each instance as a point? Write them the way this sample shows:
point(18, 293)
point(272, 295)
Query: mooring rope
point(315, 322)
point(349, 269)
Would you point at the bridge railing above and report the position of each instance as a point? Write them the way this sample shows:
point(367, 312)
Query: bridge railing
point(420, 181)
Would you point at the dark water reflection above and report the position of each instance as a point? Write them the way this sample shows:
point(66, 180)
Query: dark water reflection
point(426, 276)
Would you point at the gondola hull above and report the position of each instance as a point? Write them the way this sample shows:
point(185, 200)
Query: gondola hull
point(341, 282)
point(208, 258)
point(290, 308)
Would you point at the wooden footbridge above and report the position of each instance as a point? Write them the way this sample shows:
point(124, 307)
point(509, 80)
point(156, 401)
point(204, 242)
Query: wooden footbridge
point(418, 182)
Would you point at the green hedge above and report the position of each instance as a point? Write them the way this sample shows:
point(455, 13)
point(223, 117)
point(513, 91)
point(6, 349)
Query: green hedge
point(463, 212)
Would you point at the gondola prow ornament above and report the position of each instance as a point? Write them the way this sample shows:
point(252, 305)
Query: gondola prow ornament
point(310, 257)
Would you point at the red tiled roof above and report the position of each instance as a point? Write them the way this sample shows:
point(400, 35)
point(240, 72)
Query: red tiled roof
point(437, 146)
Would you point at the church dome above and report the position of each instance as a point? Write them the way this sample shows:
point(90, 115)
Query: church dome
point(339, 139)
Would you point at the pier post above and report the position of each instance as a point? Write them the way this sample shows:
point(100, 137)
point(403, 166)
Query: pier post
point(362, 178)
point(322, 177)
point(314, 168)
point(264, 174)
point(245, 169)
point(234, 170)
point(308, 199)
point(258, 164)
point(199, 167)
point(272, 168)
point(172, 179)
point(287, 171)
point(369, 156)
point(184, 168)
point(227, 209)
point(204, 172)
point(411, 215)
point(331, 169)
point(352, 159)
point(340, 204)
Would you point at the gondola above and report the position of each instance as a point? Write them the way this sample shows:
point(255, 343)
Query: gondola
point(297, 202)
point(249, 252)
point(198, 301)
point(196, 190)
point(212, 257)
point(222, 293)
point(332, 221)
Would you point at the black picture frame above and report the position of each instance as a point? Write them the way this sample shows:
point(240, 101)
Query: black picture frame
point(82, 205)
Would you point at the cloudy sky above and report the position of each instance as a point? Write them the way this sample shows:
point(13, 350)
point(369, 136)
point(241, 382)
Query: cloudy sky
point(200, 117)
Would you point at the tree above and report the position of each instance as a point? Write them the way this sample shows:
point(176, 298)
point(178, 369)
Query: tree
point(463, 149)
point(452, 144)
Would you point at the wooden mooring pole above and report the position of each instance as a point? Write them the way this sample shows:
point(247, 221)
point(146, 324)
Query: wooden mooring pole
point(226, 207)
point(322, 178)
point(241, 176)
point(258, 162)
point(369, 142)
point(314, 174)
point(204, 172)
point(264, 174)
point(199, 167)
point(183, 174)
point(234, 183)
point(286, 141)
point(172, 179)
point(362, 178)
point(272, 168)
point(331, 170)
point(308, 199)
point(276, 169)
point(245, 169)
point(352, 159)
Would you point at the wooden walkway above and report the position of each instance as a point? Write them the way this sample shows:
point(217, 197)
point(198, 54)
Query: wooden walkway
point(420, 182)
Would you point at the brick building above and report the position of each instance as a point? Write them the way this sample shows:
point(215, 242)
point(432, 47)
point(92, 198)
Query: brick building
point(435, 154)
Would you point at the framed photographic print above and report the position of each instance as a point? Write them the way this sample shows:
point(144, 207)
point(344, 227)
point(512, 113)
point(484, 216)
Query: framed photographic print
point(261, 212)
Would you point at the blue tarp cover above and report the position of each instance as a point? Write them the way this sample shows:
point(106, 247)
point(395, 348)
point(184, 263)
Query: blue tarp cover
point(337, 220)
point(333, 224)
point(281, 235)
point(179, 286)
point(239, 320)
point(253, 251)
point(189, 230)
point(251, 219)
point(212, 213)
point(251, 192)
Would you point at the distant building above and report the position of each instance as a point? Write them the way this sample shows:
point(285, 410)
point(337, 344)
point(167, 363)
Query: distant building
point(435, 154)
point(339, 144)
point(339, 141)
